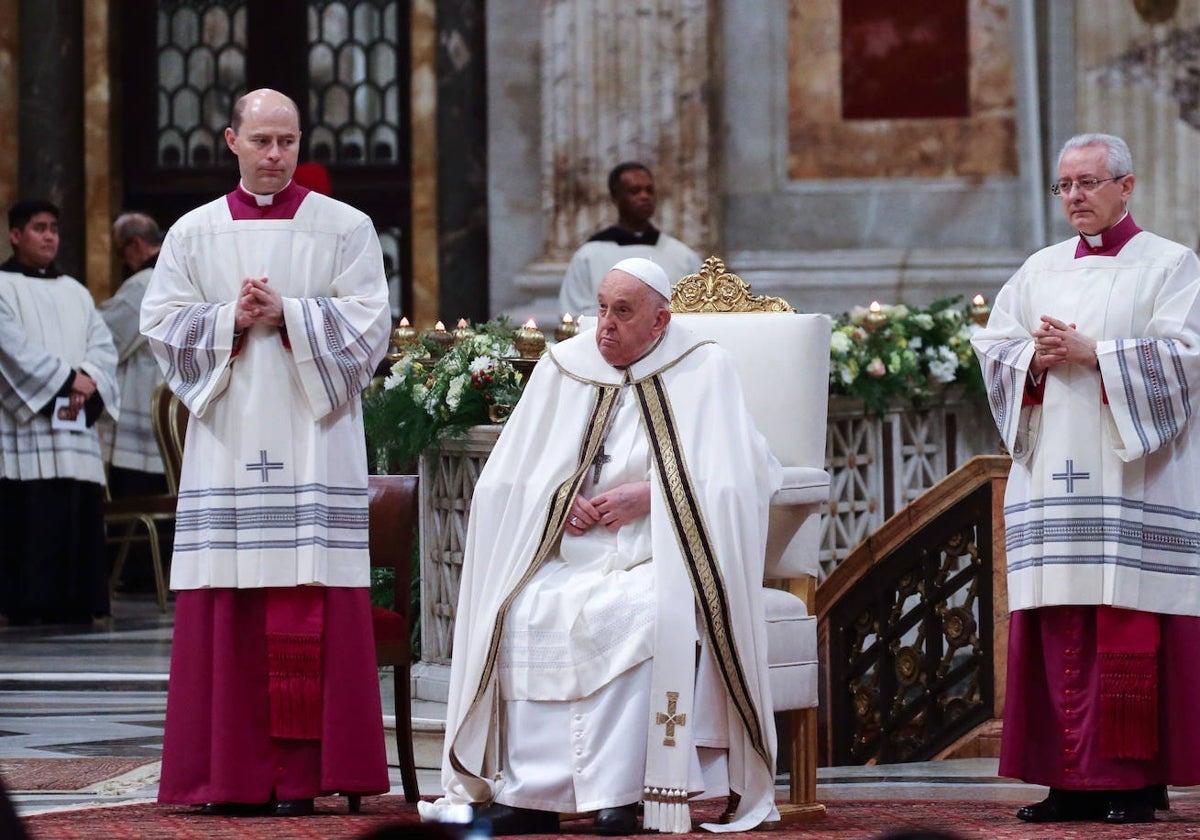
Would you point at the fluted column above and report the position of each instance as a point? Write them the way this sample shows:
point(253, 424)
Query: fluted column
point(626, 80)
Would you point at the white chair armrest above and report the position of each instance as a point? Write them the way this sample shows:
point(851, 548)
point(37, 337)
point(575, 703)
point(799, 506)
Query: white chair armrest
point(802, 486)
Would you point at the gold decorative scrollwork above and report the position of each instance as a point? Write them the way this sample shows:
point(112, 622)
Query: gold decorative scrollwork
point(714, 289)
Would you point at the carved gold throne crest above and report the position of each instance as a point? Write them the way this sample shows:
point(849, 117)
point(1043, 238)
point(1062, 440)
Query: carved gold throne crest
point(714, 289)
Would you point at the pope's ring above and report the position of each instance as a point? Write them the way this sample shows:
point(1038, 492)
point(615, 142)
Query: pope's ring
point(575, 521)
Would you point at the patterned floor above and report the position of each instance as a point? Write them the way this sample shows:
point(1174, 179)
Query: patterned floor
point(72, 694)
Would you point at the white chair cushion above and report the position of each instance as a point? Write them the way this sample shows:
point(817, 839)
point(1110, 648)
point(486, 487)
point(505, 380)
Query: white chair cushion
point(791, 651)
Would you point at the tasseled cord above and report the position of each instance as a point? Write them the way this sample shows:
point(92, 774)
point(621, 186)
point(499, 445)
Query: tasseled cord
point(666, 810)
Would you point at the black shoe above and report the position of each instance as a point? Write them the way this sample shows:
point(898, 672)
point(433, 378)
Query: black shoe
point(1131, 806)
point(293, 808)
point(1120, 812)
point(1158, 794)
point(234, 809)
point(1063, 806)
point(616, 821)
point(506, 819)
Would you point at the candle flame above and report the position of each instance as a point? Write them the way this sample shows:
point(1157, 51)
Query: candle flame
point(875, 307)
point(978, 300)
point(462, 322)
point(567, 318)
point(404, 322)
point(439, 326)
point(531, 324)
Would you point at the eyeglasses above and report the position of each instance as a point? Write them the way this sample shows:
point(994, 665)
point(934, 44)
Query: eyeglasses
point(1087, 185)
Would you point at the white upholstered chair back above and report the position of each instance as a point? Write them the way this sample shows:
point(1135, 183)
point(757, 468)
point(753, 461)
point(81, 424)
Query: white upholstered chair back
point(783, 361)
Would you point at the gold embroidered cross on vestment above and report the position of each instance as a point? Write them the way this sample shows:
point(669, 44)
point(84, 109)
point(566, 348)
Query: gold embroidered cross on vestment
point(671, 719)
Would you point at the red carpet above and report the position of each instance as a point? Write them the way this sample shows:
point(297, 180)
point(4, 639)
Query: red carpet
point(845, 820)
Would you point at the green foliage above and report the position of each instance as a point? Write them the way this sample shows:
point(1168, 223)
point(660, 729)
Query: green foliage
point(903, 353)
point(425, 399)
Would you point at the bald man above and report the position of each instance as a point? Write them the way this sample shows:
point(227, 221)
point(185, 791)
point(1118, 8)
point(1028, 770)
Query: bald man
point(613, 563)
point(268, 313)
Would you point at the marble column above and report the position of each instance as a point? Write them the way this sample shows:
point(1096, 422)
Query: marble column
point(462, 160)
point(621, 81)
point(50, 116)
point(8, 103)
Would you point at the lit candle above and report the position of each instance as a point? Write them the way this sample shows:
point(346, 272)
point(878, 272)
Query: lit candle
point(438, 339)
point(874, 318)
point(529, 341)
point(463, 331)
point(566, 329)
point(404, 338)
point(979, 310)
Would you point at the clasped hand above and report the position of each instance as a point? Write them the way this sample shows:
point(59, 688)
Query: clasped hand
point(82, 387)
point(611, 509)
point(258, 303)
point(1056, 342)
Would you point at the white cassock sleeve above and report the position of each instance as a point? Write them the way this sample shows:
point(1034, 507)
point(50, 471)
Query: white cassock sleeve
point(1005, 350)
point(100, 363)
point(33, 376)
point(30, 375)
point(192, 338)
point(337, 341)
point(1148, 381)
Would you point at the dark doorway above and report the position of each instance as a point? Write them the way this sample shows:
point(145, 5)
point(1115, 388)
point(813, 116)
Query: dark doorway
point(347, 65)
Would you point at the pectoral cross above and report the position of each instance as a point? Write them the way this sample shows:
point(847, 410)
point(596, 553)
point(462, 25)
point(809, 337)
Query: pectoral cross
point(598, 463)
point(671, 719)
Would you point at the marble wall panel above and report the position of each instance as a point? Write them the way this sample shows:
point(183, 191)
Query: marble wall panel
point(1142, 81)
point(822, 144)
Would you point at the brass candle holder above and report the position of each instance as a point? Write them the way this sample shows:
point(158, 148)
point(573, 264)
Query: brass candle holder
point(463, 331)
point(979, 311)
point(529, 340)
point(566, 328)
point(874, 319)
point(438, 340)
point(404, 338)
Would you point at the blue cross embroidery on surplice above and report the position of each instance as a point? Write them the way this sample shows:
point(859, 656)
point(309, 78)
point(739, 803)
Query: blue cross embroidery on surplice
point(264, 466)
point(1070, 476)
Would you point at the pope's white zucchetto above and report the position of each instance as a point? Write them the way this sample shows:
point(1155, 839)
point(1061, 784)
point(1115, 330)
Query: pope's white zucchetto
point(648, 271)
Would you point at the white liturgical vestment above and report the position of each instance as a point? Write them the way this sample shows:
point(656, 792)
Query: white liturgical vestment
point(1103, 503)
point(273, 490)
point(130, 444)
point(593, 259)
point(537, 621)
point(49, 326)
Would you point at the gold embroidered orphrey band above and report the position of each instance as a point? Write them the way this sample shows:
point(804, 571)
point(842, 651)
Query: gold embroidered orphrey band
point(687, 520)
point(603, 412)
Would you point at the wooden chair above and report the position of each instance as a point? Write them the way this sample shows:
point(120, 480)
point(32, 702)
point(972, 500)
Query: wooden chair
point(393, 521)
point(169, 418)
